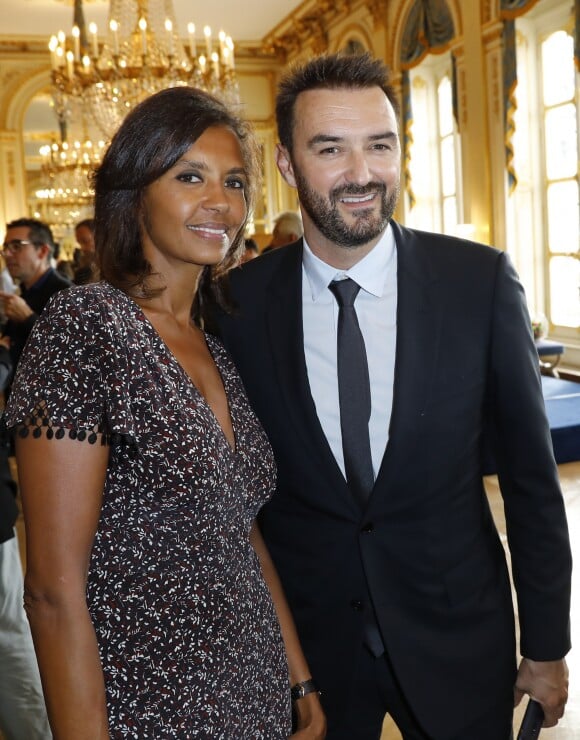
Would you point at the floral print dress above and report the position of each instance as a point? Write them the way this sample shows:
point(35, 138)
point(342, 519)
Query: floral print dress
point(188, 637)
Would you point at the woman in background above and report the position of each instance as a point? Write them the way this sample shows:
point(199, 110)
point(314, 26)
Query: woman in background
point(142, 466)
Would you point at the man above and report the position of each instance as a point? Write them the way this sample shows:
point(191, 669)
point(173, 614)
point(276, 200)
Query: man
point(85, 269)
point(251, 250)
point(399, 587)
point(22, 709)
point(287, 229)
point(28, 247)
point(85, 236)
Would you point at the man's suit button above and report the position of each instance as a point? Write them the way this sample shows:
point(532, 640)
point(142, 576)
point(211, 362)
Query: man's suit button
point(368, 527)
point(357, 605)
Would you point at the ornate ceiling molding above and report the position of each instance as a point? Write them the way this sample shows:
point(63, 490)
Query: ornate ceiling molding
point(310, 25)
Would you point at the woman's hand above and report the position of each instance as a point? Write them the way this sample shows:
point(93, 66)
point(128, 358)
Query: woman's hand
point(311, 723)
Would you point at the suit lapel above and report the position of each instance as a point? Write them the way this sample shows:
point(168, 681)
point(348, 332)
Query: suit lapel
point(286, 337)
point(417, 347)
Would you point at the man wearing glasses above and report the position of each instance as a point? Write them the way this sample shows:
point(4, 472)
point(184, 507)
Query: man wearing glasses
point(27, 249)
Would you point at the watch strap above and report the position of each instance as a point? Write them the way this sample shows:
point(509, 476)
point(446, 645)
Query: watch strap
point(300, 690)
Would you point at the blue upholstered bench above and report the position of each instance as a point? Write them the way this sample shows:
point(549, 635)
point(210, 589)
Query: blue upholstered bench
point(550, 353)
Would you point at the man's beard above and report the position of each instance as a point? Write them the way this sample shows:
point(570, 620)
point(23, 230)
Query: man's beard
point(326, 216)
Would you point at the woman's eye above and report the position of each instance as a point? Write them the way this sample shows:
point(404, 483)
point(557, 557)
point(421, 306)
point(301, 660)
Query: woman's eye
point(189, 177)
point(235, 182)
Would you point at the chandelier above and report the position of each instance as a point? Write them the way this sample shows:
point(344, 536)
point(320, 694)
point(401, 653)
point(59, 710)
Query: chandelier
point(66, 171)
point(142, 54)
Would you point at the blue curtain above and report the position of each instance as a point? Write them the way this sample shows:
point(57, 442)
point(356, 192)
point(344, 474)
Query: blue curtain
point(512, 8)
point(510, 81)
point(577, 34)
point(407, 113)
point(429, 27)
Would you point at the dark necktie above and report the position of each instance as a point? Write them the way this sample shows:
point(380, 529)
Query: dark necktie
point(354, 392)
point(354, 395)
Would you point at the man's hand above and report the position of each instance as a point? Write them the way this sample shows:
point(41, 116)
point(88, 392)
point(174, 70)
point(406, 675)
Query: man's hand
point(547, 683)
point(15, 307)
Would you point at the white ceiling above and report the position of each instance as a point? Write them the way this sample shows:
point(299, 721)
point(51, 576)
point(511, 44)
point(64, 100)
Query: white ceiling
point(244, 20)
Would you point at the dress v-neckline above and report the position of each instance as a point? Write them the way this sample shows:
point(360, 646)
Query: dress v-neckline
point(188, 379)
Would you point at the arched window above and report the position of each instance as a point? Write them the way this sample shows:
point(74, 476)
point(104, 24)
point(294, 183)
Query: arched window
point(430, 136)
point(543, 210)
point(433, 162)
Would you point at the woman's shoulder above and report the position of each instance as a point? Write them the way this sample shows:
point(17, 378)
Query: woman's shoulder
point(95, 298)
point(101, 291)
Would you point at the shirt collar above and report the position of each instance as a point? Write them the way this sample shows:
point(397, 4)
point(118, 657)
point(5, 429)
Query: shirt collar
point(370, 272)
point(38, 283)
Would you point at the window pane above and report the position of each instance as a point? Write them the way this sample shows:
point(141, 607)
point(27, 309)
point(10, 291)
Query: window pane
point(421, 161)
point(565, 291)
point(448, 166)
point(558, 68)
point(561, 147)
point(563, 216)
point(450, 216)
point(445, 107)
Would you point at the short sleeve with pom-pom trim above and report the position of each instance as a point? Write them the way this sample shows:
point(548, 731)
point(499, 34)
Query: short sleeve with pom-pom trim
point(69, 380)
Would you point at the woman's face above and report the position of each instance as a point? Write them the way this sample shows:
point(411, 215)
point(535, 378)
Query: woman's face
point(193, 212)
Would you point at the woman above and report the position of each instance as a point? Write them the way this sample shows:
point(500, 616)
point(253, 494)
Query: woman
point(142, 466)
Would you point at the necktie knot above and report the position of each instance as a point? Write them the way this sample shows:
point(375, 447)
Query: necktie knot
point(345, 291)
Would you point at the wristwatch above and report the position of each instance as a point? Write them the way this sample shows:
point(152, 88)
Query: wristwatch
point(300, 690)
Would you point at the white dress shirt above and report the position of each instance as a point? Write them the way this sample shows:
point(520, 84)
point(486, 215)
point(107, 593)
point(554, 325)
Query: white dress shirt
point(376, 308)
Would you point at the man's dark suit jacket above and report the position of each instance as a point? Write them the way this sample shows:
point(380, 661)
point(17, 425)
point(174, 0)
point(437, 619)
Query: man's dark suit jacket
point(37, 296)
point(425, 550)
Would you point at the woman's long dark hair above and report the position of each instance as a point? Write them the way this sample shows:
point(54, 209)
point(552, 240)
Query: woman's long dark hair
point(151, 139)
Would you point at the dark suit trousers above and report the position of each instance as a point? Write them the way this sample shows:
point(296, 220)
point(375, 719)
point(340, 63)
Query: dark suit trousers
point(376, 693)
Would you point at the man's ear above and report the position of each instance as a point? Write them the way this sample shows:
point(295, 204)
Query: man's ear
point(44, 251)
point(285, 165)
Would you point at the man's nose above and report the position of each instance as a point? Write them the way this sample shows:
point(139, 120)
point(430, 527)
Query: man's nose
point(358, 169)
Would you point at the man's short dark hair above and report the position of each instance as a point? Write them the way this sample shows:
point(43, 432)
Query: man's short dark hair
point(88, 222)
point(329, 71)
point(251, 245)
point(38, 232)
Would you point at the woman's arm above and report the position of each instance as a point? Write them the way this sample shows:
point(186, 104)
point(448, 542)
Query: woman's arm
point(61, 483)
point(311, 720)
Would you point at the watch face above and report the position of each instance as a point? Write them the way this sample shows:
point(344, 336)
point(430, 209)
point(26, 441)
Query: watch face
point(302, 689)
point(297, 692)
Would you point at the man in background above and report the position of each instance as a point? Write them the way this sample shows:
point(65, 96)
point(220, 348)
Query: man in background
point(85, 269)
point(27, 250)
point(251, 250)
point(287, 229)
point(22, 708)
